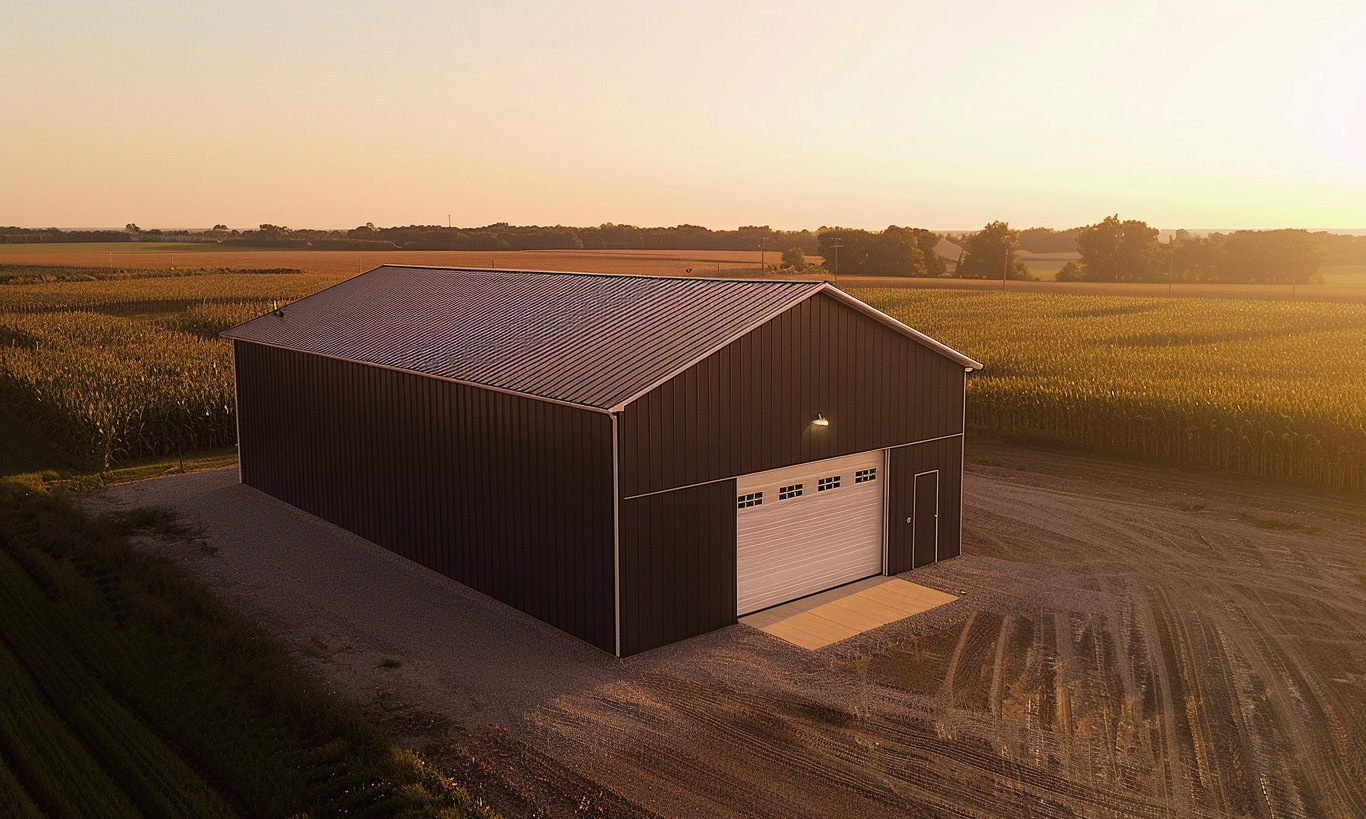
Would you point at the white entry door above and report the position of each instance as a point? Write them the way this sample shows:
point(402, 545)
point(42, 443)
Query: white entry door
point(807, 528)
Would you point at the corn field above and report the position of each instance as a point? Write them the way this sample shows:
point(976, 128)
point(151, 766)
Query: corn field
point(110, 371)
point(104, 389)
point(1276, 389)
point(148, 296)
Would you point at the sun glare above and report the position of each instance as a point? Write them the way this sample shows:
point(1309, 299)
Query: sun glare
point(1330, 112)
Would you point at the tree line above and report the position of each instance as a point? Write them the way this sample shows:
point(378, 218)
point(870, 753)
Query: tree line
point(1111, 250)
point(10, 235)
point(1129, 250)
point(504, 236)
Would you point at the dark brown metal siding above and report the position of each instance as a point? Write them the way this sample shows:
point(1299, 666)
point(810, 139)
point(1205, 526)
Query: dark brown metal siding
point(749, 406)
point(678, 576)
point(508, 495)
point(905, 463)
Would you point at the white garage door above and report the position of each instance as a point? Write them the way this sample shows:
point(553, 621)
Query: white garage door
point(807, 528)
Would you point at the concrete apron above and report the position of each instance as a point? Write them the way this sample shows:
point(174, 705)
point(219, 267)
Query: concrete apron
point(838, 614)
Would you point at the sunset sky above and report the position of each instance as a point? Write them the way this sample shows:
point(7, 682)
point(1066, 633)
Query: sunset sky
point(796, 115)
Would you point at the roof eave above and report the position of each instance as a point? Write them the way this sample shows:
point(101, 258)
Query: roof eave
point(474, 384)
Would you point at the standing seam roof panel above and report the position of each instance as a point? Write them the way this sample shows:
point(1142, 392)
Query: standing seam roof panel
point(587, 339)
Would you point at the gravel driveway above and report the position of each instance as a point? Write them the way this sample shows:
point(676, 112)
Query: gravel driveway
point(1130, 642)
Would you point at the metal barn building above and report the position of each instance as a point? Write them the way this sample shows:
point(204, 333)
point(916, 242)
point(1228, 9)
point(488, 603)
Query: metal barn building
point(632, 459)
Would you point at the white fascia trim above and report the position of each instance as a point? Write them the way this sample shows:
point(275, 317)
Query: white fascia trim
point(616, 534)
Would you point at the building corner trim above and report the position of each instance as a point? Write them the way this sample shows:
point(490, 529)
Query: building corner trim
point(616, 531)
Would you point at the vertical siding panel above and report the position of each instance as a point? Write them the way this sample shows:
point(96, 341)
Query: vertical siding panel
point(629, 430)
point(693, 530)
point(439, 497)
point(503, 570)
point(692, 459)
point(934, 391)
point(778, 381)
point(664, 436)
point(646, 448)
point(425, 506)
point(443, 474)
point(771, 447)
point(748, 407)
point(742, 406)
point(737, 420)
point(705, 400)
point(630, 579)
point(868, 379)
point(483, 486)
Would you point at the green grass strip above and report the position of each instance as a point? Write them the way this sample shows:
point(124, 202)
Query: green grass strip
point(56, 770)
point(17, 802)
point(155, 778)
point(193, 711)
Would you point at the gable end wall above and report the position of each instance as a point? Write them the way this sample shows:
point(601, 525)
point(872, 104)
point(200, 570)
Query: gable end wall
point(748, 408)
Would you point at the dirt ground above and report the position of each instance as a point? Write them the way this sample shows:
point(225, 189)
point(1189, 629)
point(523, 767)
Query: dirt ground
point(1130, 641)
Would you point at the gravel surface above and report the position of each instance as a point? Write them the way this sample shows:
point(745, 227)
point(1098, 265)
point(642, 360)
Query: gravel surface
point(1130, 642)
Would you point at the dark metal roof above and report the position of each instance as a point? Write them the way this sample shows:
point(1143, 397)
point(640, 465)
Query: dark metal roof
point(592, 340)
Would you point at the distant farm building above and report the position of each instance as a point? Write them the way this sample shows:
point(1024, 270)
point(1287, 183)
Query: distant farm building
point(632, 459)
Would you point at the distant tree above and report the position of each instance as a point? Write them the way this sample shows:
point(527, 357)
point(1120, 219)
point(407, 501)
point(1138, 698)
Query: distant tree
point(990, 253)
point(794, 258)
point(1069, 272)
point(219, 229)
point(1269, 256)
point(894, 252)
point(1120, 251)
point(132, 228)
point(928, 240)
point(843, 249)
point(1048, 240)
point(617, 237)
point(1192, 258)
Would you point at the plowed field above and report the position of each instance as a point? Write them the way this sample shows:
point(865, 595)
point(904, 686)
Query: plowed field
point(1129, 642)
point(350, 262)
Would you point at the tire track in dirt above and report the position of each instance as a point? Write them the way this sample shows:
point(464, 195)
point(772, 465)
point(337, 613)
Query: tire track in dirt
point(1127, 642)
point(1150, 682)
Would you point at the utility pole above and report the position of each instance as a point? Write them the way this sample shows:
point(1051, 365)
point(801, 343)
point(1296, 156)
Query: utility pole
point(837, 243)
point(1005, 266)
point(1171, 263)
